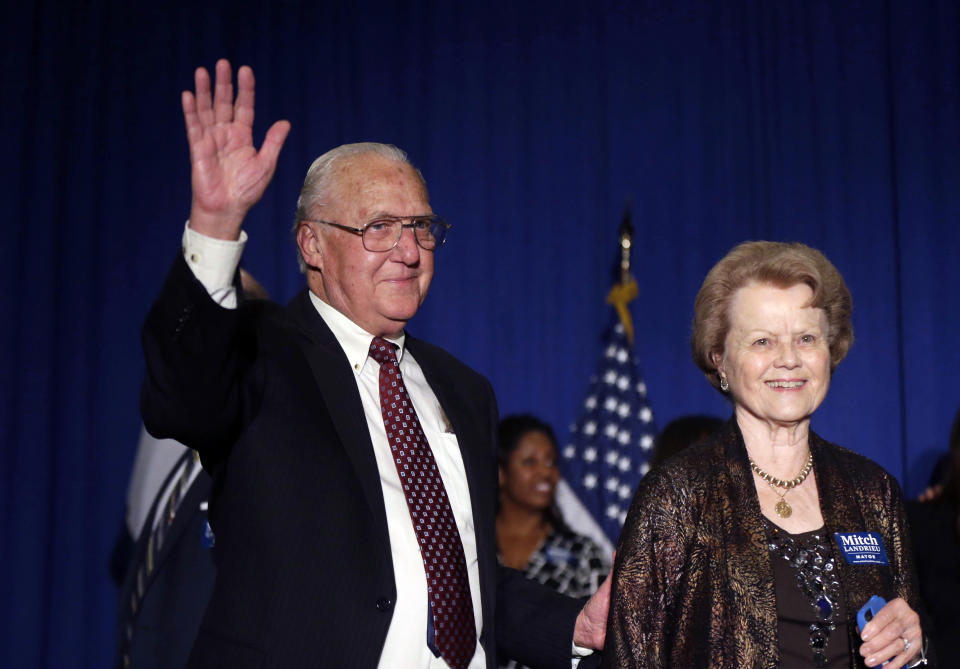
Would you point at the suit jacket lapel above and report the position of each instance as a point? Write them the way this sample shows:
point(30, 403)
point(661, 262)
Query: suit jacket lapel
point(337, 385)
point(451, 401)
point(477, 454)
point(475, 451)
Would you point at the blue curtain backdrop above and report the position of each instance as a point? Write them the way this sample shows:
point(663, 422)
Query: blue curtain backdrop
point(832, 123)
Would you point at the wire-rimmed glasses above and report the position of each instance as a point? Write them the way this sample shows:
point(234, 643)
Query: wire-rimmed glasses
point(383, 234)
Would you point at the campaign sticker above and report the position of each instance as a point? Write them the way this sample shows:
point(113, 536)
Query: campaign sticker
point(861, 547)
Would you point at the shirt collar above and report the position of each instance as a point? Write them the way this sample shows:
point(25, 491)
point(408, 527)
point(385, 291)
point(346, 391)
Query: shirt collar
point(353, 339)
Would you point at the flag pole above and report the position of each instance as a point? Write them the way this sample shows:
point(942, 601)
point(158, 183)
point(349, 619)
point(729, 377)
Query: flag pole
point(610, 444)
point(625, 291)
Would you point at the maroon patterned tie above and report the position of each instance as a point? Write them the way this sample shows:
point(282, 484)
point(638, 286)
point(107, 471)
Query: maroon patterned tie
point(448, 587)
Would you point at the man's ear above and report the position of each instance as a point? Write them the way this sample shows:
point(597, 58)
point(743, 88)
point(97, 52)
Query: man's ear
point(310, 246)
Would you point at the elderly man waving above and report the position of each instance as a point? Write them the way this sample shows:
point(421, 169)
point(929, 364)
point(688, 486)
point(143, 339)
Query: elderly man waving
point(354, 465)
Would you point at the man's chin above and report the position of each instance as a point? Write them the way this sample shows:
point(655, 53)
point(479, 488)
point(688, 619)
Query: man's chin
point(395, 318)
point(400, 318)
point(401, 305)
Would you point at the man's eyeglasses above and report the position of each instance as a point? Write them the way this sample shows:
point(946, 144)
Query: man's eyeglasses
point(383, 234)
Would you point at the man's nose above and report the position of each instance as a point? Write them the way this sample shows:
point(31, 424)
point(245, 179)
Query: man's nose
point(407, 247)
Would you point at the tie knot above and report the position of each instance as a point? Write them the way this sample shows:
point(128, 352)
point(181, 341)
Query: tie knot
point(383, 351)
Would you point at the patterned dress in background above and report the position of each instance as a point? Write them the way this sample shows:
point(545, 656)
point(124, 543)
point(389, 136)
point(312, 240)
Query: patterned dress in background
point(569, 563)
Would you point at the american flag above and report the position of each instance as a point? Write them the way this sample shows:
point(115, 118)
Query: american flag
point(610, 445)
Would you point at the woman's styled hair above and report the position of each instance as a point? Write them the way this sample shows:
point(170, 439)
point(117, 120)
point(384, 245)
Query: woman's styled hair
point(779, 264)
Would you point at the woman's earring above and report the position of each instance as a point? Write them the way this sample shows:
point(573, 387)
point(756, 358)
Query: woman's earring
point(724, 385)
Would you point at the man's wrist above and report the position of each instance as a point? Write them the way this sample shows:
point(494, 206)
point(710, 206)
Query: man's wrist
point(214, 263)
point(220, 225)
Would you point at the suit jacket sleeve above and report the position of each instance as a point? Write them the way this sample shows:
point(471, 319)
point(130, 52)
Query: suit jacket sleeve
point(534, 623)
point(197, 354)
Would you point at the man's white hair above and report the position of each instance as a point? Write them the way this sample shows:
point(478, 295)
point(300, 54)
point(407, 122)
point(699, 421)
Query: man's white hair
point(320, 179)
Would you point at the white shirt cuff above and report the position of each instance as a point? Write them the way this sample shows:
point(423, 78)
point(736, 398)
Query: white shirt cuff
point(580, 651)
point(214, 262)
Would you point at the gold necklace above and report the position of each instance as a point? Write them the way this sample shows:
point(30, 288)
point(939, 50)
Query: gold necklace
point(783, 509)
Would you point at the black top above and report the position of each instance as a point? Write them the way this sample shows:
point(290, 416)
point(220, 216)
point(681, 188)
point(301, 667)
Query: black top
point(811, 623)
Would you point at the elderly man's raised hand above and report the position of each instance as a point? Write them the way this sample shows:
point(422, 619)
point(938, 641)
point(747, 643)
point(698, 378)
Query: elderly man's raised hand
point(228, 175)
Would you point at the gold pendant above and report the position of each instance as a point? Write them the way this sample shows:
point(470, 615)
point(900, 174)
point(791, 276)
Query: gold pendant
point(783, 509)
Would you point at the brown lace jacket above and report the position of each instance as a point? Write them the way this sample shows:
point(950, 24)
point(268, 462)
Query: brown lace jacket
point(693, 581)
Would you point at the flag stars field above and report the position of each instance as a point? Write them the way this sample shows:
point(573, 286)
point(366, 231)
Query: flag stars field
point(610, 443)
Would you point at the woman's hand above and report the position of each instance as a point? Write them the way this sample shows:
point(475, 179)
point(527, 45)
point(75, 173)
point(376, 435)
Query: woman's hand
point(228, 175)
point(894, 634)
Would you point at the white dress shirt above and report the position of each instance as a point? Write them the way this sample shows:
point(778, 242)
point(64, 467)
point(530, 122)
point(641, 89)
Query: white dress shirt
point(214, 262)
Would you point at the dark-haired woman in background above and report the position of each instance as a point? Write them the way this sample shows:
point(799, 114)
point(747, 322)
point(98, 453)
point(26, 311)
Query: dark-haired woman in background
point(531, 534)
point(935, 527)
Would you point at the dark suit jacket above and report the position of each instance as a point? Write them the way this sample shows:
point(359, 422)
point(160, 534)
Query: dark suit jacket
point(177, 590)
point(304, 570)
